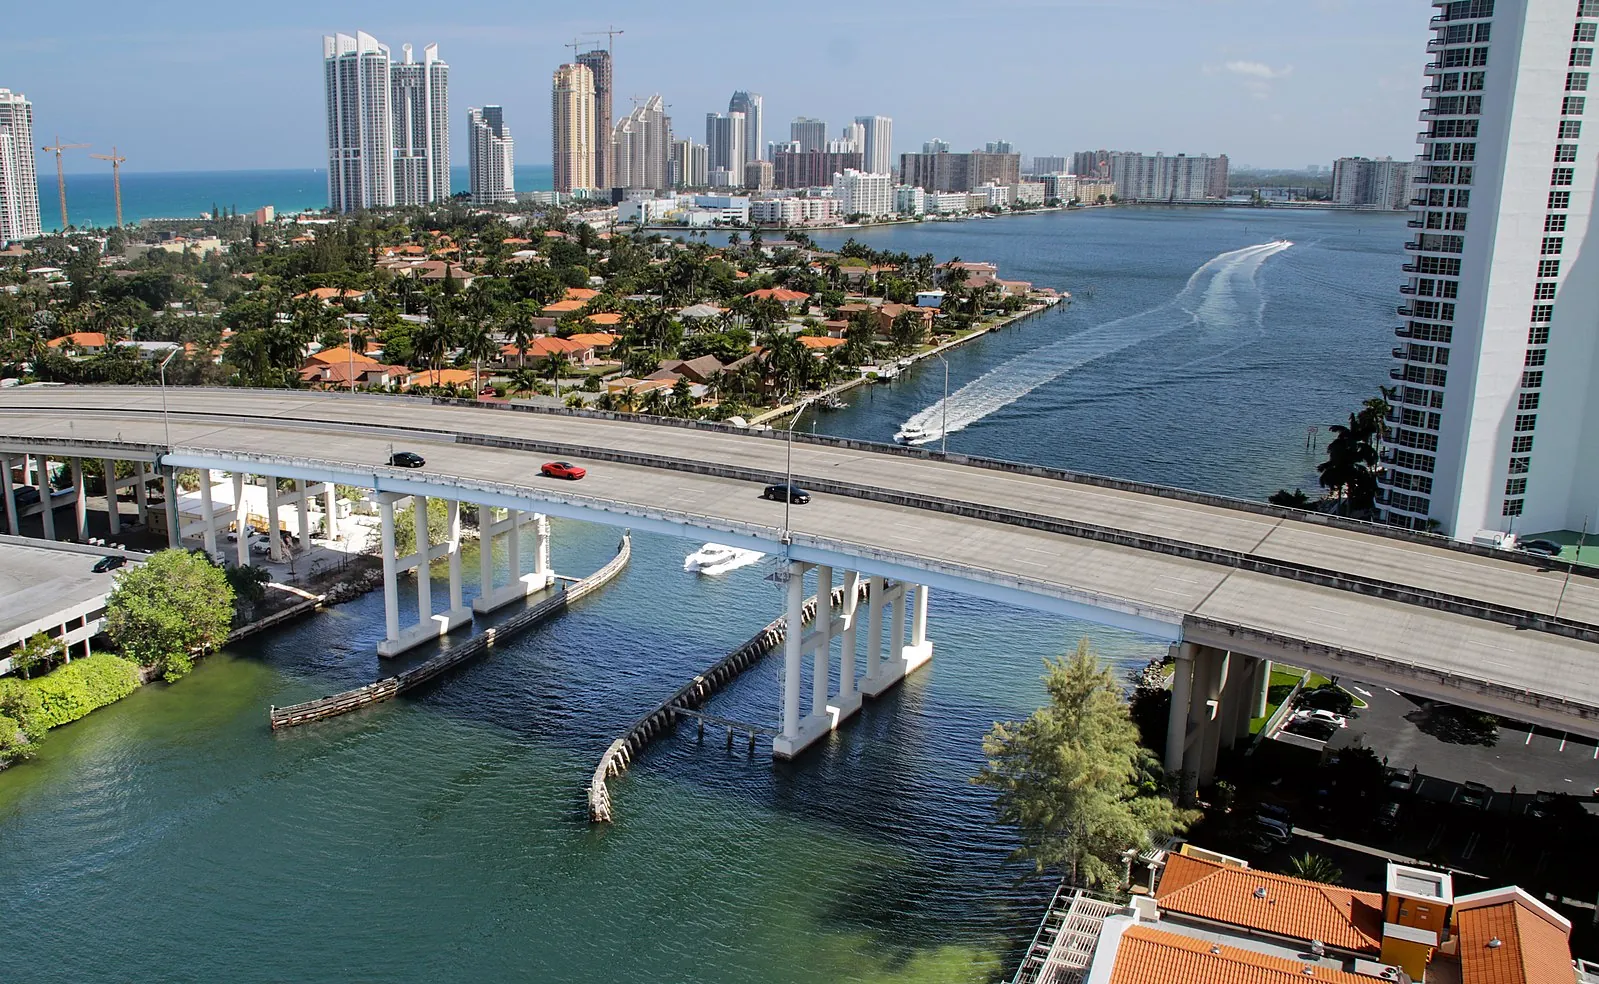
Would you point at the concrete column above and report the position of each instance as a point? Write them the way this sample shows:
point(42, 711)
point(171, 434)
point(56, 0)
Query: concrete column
point(541, 567)
point(48, 513)
point(208, 512)
point(1210, 679)
point(141, 492)
point(305, 515)
point(13, 522)
point(456, 602)
point(330, 502)
point(169, 496)
point(793, 635)
point(1242, 698)
point(513, 545)
point(1181, 692)
point(274, 535)
point(113, 520)
point(391, 596)
point(1236, 698)
point(896, 627)
point(241, 525)
point(424, 547)
point(487, 516)
point(823, 639)
point(80, 503)
point(846, 652)
point(874, 627)
point(919, 616)
point(1262, 695)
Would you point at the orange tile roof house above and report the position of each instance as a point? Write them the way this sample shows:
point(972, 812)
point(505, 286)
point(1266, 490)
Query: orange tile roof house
point(581, 294)
point(1145, 955)
point(87, 341)
point(564, 307)
point(788, 298)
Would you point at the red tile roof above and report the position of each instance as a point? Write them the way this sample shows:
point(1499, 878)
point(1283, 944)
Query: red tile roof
point(564, 307)
point(1290, 907)
point(779, 294)
point(1534, 942)
point(82, 339)
point(580, 293)
point(1151, 956)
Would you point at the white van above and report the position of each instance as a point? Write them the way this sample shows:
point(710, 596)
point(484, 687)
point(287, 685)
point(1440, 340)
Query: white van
point(1494, 539)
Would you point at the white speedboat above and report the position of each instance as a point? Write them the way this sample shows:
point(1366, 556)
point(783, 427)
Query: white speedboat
point(914, 434)
point(717, 558)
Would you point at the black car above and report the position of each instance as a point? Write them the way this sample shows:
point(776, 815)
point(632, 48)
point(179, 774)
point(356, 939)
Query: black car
point(1543, 548)
point(407, 459)
point(110, 563)
point(794, 493)
point(25, 495)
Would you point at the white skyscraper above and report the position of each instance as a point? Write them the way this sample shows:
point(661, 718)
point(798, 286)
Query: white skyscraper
point(749, 103)
point(861, 193)
point(19, 185)
point(877, 142)
point(724, 138)
point(1497, 415)
point(360, 127)
point(420, 106)
point(489, 151)
point(641, 147)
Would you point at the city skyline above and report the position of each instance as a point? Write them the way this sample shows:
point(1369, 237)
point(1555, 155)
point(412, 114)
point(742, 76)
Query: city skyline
point(1219, 87)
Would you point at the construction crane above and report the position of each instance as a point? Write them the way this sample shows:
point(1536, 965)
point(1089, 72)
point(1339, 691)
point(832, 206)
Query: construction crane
point(610, 38)
point(61, 178)
point(116, 180)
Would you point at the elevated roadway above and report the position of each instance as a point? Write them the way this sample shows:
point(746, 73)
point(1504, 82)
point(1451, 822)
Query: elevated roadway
point(1496, 632)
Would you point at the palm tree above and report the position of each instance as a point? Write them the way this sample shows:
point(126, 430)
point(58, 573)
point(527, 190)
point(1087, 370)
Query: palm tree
point(1349, 470)
point(554, 364)
point(1316, 868)
point(479, 344)
point(524, 380)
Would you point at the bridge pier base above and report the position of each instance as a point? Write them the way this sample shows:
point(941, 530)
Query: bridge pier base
point(1215, 696)
point(428, 625)
point(491, 525)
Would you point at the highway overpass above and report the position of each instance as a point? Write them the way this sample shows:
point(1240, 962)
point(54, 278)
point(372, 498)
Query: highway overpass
point(1498, 632)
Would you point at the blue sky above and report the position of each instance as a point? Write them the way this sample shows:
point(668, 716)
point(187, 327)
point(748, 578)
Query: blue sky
point(183, 85)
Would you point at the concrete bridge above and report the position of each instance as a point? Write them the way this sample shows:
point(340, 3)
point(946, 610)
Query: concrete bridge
point(1230, 584)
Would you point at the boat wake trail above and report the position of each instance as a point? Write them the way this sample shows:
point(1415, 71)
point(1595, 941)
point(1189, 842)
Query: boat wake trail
point(1222, 294)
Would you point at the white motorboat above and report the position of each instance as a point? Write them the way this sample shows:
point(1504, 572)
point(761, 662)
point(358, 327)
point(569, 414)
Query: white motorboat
point(914, 434)
point(717, 558)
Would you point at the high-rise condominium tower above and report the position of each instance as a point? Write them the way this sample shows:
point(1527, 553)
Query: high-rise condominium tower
point(420, 106)
point(599, 63)
point(642, 147)
point(19, 185)
point(489, 149)
point(360, 125)
point(724, 138)
point(810, 134)
point(1497, 413)
point(749, 103)
point(572, 126)
point(878, 144)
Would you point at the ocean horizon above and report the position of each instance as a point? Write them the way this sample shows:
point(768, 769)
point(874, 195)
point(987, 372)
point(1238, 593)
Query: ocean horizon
point(91, 199)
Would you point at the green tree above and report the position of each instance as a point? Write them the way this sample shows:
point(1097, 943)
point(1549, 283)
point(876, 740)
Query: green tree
point(163, 611)
point(1350, 469)
point(1073, 779)
point(249, 585)
point(39, 650)
point(1316, 868)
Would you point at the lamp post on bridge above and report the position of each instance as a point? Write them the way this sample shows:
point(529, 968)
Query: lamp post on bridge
point(943, 430)
point(788, 479)
point(166, 418)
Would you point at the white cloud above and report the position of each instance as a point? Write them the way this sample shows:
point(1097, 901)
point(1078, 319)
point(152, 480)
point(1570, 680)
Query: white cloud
point(1258, 70)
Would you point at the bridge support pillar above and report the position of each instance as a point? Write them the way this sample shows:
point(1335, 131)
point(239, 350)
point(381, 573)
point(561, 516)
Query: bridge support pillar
point(241, 524)
point(1182, 688)
point(330, 512)
point(80, 502)
point(492, 524)
point(143, 476)
point(47, 514)
point(1262, 696)
point(274, 530)
point(169, 505)
point(428, 625)
point(907, 652)
point(208, 514)
point(8, 489)
point(113, 517)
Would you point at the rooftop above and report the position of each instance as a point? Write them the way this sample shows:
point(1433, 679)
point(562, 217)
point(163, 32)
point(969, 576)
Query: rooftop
point(1280, 905)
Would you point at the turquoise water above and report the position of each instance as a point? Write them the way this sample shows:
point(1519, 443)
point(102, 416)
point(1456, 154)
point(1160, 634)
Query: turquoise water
point(443, 838)
point(186, 194)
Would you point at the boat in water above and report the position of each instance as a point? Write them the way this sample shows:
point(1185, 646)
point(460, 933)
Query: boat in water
point(832, 403)
point(914, 434)
point(718, 558)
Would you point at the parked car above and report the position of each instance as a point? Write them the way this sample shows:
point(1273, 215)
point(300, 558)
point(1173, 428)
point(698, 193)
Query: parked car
point(1476, 794)
point(1273, 830)
point(1319, 716)
point(25, 495)
point(1272, 811)
point(1388, 816)
point(109, 563)
point(1399, 780)
point(1543, 548)
point(562, 469)
point(1542, 806)
point(794, 494)
point(407, 459)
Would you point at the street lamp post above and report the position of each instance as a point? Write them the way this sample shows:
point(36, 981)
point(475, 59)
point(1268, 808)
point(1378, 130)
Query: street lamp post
point(166, 418)
point(943, 430)
point(788, 478)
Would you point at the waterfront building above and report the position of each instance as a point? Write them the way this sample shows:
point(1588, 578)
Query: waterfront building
point(724, 139)
point(749, 103)
point(720, 210)
point(1496, 417)
point(1096, 191)
point(1384, 183)
point(1027, 193)
point(1091, 164)
point(877, 142)
point(419, 105)
point(690, 165)
point(1048, 165)
point(598, 62)
point(758, 175)
point(646, 211)
point(490, 157)
point(910, 200)
point(810, 134)
point(959, 172)
point(360, 124)
point(944, 202)
point(864, 193)
point(641, 147)
point(19, 183)
point(1060, 187)
point(572, 127)
point(1140, 177)
point(811, 169)
point(795, 210)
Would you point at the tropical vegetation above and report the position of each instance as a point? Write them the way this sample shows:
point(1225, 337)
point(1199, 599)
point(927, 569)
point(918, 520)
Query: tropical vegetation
point(164, 611)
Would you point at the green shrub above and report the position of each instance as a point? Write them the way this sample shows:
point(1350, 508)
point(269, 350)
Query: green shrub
point(81, 686)
point(20, 704)
point(161, 612)
point(14, 742)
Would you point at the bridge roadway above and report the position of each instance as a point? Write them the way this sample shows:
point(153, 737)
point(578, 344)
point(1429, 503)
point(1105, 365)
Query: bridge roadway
point(1423, 617)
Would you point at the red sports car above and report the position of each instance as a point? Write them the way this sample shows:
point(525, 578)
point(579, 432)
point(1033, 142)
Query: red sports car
point(562, 469)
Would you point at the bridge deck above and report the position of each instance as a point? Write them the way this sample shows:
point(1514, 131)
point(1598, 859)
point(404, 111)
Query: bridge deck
point(1412, 643)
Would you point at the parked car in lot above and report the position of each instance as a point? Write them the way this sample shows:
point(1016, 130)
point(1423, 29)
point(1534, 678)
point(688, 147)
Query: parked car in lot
point(1273, 830)
point(794, 493)
point(1543, 804)
point(1398, 780)
point(562, 469)
point(1387, 819)
point(407, 459)
point(1272, 811)
point(1543, 548)
point(25, 495)
point(110, 563)
point(1317, 715)
point(1476, 794)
